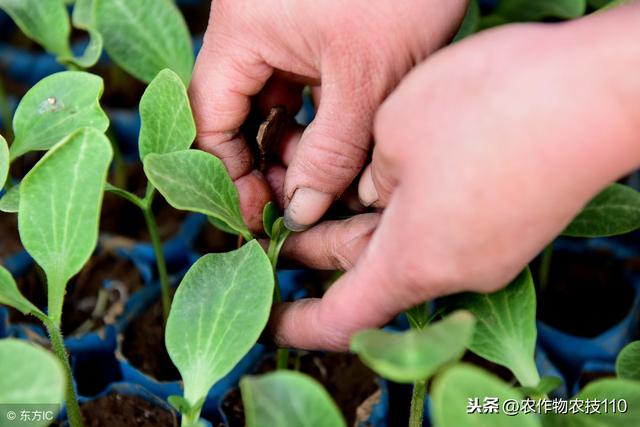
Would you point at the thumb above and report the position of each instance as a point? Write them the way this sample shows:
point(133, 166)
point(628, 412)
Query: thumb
point(330, 154)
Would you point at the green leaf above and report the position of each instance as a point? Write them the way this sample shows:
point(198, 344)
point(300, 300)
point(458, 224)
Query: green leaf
point(415, 355)
point(269, 216)
point(83, 12)
point(45, 22)
point(470, 23)
point(628, 362)
point(10, 202)
point(145, 37)
point(56, 107)
point(506, 330)
point(279, 235)
point(4, 162)
point(29, 375)
point(288, 399)
point(418, 316)
point(545, 386)
point(611, 390)
point(217, 315)
point(221, 225)
point(10, 295)
point(196, 181)
point(527, 10)
point(453, 394)
point(167, 121)
point(615, 210)
point(60, 200)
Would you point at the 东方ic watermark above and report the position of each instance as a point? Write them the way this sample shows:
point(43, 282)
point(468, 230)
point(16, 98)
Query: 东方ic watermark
point(24, 415)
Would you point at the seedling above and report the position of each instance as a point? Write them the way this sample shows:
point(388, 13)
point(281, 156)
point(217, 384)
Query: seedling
point(29, 375)
point(60, 200)
point(167, 126)
point(218, 314)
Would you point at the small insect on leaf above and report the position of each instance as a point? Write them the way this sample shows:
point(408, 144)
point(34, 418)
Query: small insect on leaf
point(54, 108)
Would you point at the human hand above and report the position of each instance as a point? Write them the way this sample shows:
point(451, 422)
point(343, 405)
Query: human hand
point(483, 154)
point(355, 51)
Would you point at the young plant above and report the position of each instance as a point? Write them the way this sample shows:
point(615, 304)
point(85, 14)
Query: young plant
point(217, 315)
point(167, 126)
point(288, 399)
point(614, 211)
point(47, 23)
point(60, 200)
point(29, 375)
point(4, 161)
point(417, 354)
point(628, 362)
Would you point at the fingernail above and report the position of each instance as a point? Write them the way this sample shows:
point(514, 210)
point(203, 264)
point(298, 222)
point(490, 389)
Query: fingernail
point(367, 191)
point(306, 207)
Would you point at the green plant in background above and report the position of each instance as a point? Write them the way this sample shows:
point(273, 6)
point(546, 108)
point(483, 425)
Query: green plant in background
point(60, 200)
point(417, 354)
point(288, 399)
point(30, 375)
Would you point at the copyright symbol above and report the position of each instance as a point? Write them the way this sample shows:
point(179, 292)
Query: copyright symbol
point(11, 415)
point(510, 407)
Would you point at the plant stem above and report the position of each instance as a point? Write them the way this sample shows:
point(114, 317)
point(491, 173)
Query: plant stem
point(156, 242)
point(273, 252)
point(417, 403)
point(545, 266)
point(57, 342)
point(160, 261)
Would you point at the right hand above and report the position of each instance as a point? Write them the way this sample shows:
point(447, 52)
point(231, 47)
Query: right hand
point(355, 51)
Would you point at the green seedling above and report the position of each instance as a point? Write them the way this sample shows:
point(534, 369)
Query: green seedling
point(218, 314)
point(628, 362)
point(288, 399)
point(48, 24)
point(29, 375)
point(167, 126)
point(144, 43)
point(60, 200)
point(415, 355)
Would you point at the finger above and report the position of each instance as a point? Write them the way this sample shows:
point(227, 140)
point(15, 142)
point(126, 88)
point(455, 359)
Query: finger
point(254, 192)
point(332, 245)
point(224, 78)
point(330, 154)
point(286, 149)
point(368, 296)
point(275, 175)
point(375, 186)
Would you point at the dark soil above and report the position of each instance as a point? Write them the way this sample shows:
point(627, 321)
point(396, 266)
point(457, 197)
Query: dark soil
point(82, 291)
point(122, 218)
point(125, 411)
point(345, 378)
point(587, 293)
point(143, 345)
point(10, 239)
